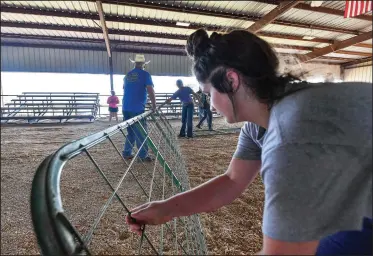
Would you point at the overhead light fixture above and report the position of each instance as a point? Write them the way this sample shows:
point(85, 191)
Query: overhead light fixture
point(308, 37)
point(182, 24)
point(316, 3)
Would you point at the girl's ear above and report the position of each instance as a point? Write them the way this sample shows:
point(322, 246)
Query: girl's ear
point(233, 79)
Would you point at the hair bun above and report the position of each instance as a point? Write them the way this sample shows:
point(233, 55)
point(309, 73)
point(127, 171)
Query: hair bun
point(215, 36)
point(198, 43)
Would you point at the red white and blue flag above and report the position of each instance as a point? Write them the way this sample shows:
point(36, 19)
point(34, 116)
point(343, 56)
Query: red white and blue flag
point(356, 8)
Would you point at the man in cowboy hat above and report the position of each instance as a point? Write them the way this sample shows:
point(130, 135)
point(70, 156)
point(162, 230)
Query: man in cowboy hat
point(137, 85)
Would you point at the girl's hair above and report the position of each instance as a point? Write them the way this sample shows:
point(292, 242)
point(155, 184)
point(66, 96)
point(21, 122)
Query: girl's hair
point(252, 57)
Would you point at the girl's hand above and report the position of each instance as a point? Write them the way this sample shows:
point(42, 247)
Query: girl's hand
point(152, 213)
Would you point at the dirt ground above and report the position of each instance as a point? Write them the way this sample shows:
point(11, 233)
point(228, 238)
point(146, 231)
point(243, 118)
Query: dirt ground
point(234, 229)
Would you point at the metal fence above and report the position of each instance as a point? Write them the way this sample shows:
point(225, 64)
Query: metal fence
point(98, 187)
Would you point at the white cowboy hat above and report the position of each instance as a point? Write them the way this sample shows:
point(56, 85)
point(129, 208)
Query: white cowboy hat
point(139, 58)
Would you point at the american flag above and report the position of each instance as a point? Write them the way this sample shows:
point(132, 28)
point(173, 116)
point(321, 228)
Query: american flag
point(355, 8)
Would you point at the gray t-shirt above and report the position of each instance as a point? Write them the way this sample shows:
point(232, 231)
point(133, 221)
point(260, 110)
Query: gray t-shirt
point(316, 161)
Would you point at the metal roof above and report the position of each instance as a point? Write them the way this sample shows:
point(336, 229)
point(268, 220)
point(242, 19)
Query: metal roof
point(136, 25)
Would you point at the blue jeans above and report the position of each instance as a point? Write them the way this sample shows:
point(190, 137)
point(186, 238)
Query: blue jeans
point(135, 135)
point(187, 119)
point(206, 114)
point(201, 114)
point(348, 242)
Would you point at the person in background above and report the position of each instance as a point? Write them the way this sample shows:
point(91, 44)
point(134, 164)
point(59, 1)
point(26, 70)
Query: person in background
point(206, 112)
point(311, 144)
point(113, 102)
point(184, 94)
point(137, 85)
point(200, 107)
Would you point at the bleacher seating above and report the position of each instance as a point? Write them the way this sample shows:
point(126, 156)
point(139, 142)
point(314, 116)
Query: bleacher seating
point(62, 106)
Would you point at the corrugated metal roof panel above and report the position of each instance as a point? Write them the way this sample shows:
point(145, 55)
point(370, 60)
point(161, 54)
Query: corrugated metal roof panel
point(339, 5)
point(329, 61)
point(347, 56)
point(368, 41)
point(146, 13)
point(343, 37)
point(321, 45)
point(318, 18)
point(247, 7)
point(146, 48)
point(151, 40)
point(358, 49)
point(147, 39)
point(290, 51)
point(53, 43)
point(300, 31)
point(149, 28)
point(368, 28)
point(58, 5)
point(242, 7)
point(289, 42)
point(47, 19)
point(31, 31)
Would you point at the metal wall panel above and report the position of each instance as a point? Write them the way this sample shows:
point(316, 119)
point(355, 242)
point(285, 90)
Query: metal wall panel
point(30, 59)
point(160, 65)
point(360, 74)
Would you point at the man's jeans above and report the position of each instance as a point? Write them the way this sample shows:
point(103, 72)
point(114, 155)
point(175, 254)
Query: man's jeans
point(206, 114)
point(187, 119)
point(134, 135)
point(201, 112)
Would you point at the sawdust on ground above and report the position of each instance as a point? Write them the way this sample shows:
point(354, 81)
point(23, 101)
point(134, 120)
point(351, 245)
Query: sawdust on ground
point(234, 229)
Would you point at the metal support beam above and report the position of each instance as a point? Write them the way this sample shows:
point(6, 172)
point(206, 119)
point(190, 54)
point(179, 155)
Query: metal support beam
point(337, 46)
point(107, 41)
point(363, 45)
point(343, 73)
point(111, 73)
point(365, 54)
point(103, 26)
point(334, 58)
point(355, 62)
point(272, 15)
point(2, 97)
point(360, 66)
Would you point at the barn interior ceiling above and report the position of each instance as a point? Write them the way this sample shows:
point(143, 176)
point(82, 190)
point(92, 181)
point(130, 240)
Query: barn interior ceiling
point(311, 33)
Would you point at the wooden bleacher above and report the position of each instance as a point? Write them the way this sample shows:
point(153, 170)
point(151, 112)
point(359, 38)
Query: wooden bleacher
point(62, 106)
